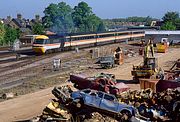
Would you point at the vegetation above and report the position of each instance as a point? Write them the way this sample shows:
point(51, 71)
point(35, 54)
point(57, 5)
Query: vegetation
point(38, 29)
point(61, 18)
point(2, 33)
point(58, 18)
point(8, 34)
point(11, 35)
point(171, 17)
point(84, 19)
point(168, 26)
point(171, 21)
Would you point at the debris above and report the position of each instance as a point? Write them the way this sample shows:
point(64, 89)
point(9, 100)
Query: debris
point(119, 56)
point(55, 111)
point(7, 95)
point(161, 106)
point(107, 61)
point(103, 82)
point(155, 106)
point(56, 64)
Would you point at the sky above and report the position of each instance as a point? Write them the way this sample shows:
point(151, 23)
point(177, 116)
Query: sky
point(105, 9)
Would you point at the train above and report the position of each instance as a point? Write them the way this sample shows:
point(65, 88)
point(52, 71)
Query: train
point(46, 44)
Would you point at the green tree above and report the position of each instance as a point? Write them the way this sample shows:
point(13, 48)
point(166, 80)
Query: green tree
point(58, 18)
point(38, 29)
point(84, 19)
point(177, 24)
point(170, 17)
point(10, 35)
point(168, 26)
point(2, 34)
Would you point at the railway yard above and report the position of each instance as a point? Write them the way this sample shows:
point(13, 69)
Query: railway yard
point(32, 77)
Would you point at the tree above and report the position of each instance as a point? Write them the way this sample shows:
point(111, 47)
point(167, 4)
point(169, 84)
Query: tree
point(80, 16)
point(11, 35)
point(84, 19)
point(58, 18)
point(38, 29)
point(177, 24)
point(2, 34)
point(168, 26)
point(170, 17)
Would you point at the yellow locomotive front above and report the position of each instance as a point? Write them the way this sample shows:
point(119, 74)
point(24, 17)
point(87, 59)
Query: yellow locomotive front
point(39, 44)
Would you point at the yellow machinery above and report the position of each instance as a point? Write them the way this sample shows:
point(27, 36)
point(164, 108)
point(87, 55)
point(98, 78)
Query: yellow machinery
point(162, 47)
point(149, 66)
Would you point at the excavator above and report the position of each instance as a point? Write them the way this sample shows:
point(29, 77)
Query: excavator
point(149, 67)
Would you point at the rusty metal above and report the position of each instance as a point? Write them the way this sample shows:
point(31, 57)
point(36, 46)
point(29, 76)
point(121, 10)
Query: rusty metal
point(161, 106)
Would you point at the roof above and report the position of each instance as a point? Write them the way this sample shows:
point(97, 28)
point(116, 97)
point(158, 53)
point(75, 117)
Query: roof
point(18, 22)
point(162, 32)
point(42, 37)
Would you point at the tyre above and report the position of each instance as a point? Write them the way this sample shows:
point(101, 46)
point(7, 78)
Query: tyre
point(79, 103)
point(76, 85)
point(125, 115)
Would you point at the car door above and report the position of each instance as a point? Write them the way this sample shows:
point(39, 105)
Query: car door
point(92, 99)
point(109, 102)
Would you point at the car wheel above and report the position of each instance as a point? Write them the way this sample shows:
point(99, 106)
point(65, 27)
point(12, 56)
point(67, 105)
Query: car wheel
point(76, 85)
point(79, 103)
point(125, 115)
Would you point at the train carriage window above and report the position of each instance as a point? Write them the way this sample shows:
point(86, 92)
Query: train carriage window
point(119, 34)
point(138, 32)
point(56, 40)
point(67, 39)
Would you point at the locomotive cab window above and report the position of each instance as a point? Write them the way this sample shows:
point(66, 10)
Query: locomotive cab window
point(39, 41)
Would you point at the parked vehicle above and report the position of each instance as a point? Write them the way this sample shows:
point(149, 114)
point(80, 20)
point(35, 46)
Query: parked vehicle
point(104, 84)
point(103, 103)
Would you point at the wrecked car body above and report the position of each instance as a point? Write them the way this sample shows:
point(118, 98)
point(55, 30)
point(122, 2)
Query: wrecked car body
point(102, 102)
point(98, 83)
point(88, 101)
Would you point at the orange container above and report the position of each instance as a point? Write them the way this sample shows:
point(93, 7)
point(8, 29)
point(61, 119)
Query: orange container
point(148, 83)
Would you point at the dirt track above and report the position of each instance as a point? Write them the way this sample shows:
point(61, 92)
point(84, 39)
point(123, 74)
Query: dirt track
point(30, 105)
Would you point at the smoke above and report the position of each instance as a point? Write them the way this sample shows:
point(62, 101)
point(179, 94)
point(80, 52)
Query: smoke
point(62, 25)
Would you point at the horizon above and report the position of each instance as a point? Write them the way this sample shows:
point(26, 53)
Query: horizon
point(142, 8)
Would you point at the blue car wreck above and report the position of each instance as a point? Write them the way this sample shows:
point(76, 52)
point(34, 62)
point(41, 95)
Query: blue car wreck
point(107, 104)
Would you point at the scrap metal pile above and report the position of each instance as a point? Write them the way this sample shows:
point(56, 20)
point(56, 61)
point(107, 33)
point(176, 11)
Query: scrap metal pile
point(94, 100)
point(149, 106)
point(162, 106)
point(70, 107)
point(102, 82)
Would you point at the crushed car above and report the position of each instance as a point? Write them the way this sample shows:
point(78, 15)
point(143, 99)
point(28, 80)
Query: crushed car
point(87, 101)
point(105, 84)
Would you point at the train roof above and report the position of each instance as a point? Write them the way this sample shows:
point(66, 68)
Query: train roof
point(66, 35)
point(41, 37)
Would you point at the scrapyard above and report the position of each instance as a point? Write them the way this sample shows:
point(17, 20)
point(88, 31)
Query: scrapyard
point(103, 98)
point(97, 93)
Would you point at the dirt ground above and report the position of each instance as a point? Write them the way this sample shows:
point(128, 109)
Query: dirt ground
point(27, 106)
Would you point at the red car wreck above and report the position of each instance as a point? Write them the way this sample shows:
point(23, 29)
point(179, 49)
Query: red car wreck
point(103, 83)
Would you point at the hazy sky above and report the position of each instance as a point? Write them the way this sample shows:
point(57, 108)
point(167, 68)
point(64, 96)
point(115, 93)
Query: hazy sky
point(102, 8)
